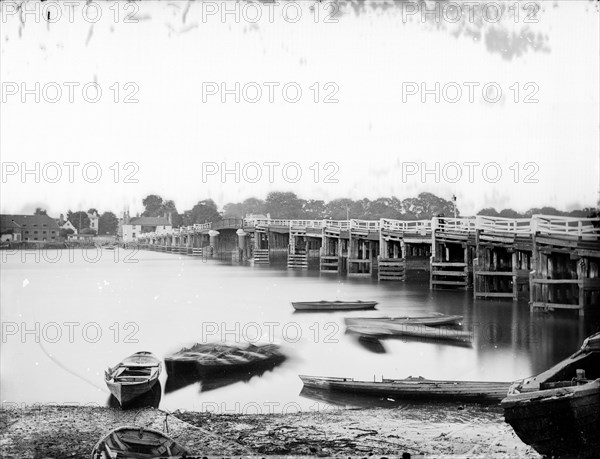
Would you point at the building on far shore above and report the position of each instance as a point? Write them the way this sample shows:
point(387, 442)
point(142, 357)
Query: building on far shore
point(38, 228)
point(66, 224)
point(94, 218)
point(131, 228)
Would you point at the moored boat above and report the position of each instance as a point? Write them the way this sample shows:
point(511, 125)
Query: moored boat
point(133, 377)
point(388, 329)
point(414, 388)
point(333, 305)
point(558, 411)
point(137, 442)
point(432, 320)
point(211, 358)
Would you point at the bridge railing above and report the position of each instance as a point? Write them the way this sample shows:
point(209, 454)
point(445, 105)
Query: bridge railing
point(317, 224)
point(369, 225)
point(406, 226)
point(519, 226)
point(461, 225)
point(567, 226)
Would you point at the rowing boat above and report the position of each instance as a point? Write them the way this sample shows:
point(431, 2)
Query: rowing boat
point(414, 388)
point(137, 442)
point(333, 305)
point(211, 358)
point(558, 411)
point(385, 329)
point(133, 377)
point(432, 320)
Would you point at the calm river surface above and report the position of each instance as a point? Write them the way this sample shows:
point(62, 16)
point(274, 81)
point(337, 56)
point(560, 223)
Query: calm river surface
point(65, 321)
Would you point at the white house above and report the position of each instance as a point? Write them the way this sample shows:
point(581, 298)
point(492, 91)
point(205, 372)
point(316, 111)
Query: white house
point(94, 221)
point(138, 225)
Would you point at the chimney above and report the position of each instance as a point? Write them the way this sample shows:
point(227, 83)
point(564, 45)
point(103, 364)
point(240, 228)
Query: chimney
point(61, 220)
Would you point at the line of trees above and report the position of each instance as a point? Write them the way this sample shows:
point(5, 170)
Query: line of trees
point(288, 205)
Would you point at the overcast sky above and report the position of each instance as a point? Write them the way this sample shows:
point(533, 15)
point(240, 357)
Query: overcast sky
point(370, 62)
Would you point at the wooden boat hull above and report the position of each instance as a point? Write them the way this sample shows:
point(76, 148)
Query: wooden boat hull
point(420, 331)
point(559, 421)
point(127, 388)
point(558, 411)
point(259, 358)
point(415, 388)
point(431, 321)
point(333, 305)
point(136, 442)
point(128, 393)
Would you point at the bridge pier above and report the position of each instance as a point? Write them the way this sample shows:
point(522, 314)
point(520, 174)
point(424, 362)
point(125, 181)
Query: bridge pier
point(566, 267)
point(452, 252)
point(332, 248)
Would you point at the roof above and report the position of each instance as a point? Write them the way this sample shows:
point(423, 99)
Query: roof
point(149, 221)
point(28, 221)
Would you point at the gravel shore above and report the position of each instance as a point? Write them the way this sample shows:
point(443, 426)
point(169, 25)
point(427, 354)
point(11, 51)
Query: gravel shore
point(70, 432)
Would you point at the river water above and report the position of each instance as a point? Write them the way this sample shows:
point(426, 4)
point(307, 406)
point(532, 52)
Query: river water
point(68, 315)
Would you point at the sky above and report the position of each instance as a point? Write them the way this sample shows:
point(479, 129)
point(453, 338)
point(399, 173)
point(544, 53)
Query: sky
point(362, 125)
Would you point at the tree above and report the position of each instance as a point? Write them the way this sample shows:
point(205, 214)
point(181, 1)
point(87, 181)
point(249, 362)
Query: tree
point(204, 211)
point(64, 233)
point(108, 223)
point(93, 211)
point(338, 208)
point(241, 209)
point(79, 220)
point(314, 209)
point(153, 205)
point(40, 211)
point(488, 212)
point(283, 205)
point(509, 213)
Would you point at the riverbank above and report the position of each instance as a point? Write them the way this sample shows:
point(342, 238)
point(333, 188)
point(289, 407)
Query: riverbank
point(71, 432)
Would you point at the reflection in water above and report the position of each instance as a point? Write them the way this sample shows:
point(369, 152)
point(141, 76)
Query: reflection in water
point(180, 379)
point(404, 338)
point(371, 343)
point(149, 399)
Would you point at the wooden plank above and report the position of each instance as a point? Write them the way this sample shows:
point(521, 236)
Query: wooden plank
point(538, 304)
point(493, 273)
point(556, 281)
point(495, 294)
point(439, 282)
point(448, 273)
point(444, 264)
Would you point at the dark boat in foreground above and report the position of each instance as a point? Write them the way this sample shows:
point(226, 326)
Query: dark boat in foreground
point(211, 359)
point(333, 305)
point(414, 388)
point(558, 411)
point(432, 320)
point(387, 329)
point(133, 377)
point(137, 442)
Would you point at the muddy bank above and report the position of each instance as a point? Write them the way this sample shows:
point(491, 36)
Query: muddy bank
point(71, 432)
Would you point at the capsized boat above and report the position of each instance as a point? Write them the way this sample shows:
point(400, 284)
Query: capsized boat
point(212, 358)
point(387, 329)
point(414, 388)
point(333, 305)
point(137, 442)
point(432, 320)
point(133, 377)
point(558, 411)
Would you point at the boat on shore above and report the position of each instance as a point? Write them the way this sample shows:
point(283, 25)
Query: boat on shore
point(214, 359)
point(333, 305)
point(137, 442)
point(133, 377)
point(414, 388)
point(390, 329)
point(432, 320)
point(558, 411)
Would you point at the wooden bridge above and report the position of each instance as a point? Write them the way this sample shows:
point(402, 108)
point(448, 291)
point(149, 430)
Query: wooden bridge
point(553, 261)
